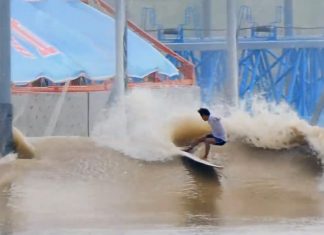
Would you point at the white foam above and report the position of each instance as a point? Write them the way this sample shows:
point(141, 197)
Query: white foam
point(272, 126)
point(149, 116)
point(148, 127)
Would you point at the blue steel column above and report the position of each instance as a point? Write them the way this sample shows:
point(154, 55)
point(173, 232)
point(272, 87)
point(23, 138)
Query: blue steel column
point(288, 23)
point(6, 142)
point(232, 61)
point(318, 111)
point(288, 17)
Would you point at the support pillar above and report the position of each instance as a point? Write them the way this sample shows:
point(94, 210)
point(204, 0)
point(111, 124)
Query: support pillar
point(206, 17)
point(288, 18)
point(6, 141)
point(232, 60)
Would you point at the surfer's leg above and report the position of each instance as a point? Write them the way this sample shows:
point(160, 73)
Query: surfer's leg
point(208, 142)
point(195, 143)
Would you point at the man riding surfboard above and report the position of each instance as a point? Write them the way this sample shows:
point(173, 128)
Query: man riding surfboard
point(217, 135)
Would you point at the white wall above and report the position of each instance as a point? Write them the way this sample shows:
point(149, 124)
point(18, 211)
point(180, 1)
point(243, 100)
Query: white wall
point(33, 112)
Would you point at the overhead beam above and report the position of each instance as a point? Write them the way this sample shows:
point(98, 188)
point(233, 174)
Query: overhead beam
point(248, 44)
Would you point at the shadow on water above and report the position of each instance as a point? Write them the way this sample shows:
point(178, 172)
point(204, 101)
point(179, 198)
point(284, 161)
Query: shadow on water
point(200, 171)
point(200, 202)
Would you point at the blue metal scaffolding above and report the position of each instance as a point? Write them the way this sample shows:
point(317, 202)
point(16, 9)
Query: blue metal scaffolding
point(278, 67)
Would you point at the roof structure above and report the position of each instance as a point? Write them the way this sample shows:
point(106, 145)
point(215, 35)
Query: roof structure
point(64, 39)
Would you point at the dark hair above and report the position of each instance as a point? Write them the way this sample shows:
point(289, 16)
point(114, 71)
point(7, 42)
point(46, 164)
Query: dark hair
point(203, 112)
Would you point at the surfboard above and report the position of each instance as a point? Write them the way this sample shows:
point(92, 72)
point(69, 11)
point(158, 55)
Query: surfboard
point(199, 160)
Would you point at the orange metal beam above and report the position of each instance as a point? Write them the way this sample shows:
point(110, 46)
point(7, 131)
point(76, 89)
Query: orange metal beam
point(102, 87)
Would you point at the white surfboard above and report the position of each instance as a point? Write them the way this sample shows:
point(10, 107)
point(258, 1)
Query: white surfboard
point(199, 160)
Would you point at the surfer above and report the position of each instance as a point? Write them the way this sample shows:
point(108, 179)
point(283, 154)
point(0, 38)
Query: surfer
point(217, 135)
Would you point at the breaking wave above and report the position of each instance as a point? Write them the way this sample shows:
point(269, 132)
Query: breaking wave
point(160, 120)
